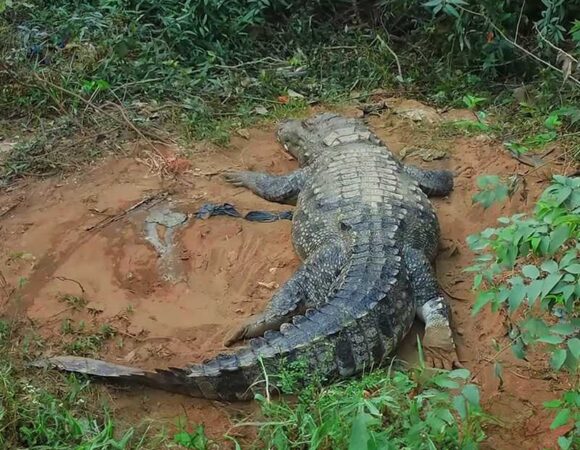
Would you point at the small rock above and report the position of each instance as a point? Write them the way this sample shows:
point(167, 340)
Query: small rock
point(426, 154)
point(260, 110)
point(294, 94)
point(243, 133)
point(130, 356)
point(417, 112)
point(271, 285)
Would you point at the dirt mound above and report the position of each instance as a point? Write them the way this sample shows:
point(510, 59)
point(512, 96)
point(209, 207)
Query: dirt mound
point(91, 256)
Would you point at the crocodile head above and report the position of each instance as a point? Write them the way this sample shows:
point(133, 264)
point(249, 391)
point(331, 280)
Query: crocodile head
point(296, 139)
point(305, 138)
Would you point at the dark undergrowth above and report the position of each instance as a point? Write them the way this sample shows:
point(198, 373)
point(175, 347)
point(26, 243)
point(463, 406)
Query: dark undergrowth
point(204, 68)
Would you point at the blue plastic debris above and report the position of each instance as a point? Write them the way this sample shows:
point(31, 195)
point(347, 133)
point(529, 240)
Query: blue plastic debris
point(265, 216)
point(217, 209)
point(225, 209)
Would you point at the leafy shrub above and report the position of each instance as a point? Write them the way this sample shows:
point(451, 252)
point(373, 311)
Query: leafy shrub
point(540, 255)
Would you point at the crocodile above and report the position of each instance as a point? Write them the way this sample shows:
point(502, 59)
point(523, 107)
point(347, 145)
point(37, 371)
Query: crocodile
point(367, 236)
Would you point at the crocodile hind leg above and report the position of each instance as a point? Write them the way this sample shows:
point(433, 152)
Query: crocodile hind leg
point(438, 344)
point(434, 183)
point(308, 288)
point(274, 188)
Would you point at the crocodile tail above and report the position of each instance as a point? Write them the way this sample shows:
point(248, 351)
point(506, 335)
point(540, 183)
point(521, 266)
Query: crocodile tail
point(193, 381)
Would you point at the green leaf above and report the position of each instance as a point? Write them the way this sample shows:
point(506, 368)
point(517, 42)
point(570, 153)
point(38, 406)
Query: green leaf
point(561, 419)
point(562, 195)
point(564, 442)
point(518, 350)
point(483, 298)
point(431, 3)
point(460, 406)
point(530, 271)
point(471, 393)
point(574, 346)
point(445, 382)
point(517, 294)
point(558, 237)
point(451, 11)
point(558, 358)
point(550, 282)
point(565, 329)
point(549, 266)
point(550, 339)
point(459, 373)
point(573, 268)
point(533, 290)
point(359, 436)
point(553, 404)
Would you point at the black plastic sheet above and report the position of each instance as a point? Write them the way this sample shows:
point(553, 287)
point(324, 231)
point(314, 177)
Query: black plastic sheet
point(226, 209)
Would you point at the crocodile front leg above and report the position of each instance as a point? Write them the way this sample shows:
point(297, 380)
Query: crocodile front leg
point(274, 188)
point(308, 288)
point(434, 183)
point(438, 344)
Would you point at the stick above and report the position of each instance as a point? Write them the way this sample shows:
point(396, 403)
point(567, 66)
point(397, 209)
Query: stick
point(73, 281)
point(111, 219)
point(382, 41)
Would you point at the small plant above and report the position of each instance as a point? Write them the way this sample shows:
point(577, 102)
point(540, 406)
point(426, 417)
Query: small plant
point(75, 302)
point(54, 411)
point(196, 440)
point(542, 254)
point(5, 330)
point(472, 102)
point(492, 190)
point(85, 344)
point(383, 409)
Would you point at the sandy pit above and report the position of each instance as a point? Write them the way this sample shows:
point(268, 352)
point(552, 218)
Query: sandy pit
point(68, 239)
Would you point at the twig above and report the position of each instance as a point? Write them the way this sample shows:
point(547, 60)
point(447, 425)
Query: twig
point(519, 21)
point(558, 49)
point(518, 46)
point(73, 281)
point(491, 360)
point(250, 63)
point(391, 51)
point(108, 220)
point(3, 282)
point(454, 297)
point(10, 208)
point(133, 83)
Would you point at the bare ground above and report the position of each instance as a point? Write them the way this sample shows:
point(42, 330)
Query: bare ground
point(70, 237)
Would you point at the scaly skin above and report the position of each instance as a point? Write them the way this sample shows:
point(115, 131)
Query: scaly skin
point(367, 235)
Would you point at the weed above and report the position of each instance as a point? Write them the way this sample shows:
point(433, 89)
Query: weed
point(85, 344)
point(491, 190)
point(58, 412)
point(383, 409)
point(542, 254)
point(76, 302)
point(196, 440)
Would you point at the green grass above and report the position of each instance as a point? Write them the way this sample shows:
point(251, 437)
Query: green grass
point(57, 412)
point(67, 63)
point(395, 408)
point(391, 409)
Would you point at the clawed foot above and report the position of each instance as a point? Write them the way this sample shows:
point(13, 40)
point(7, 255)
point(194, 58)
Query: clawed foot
point(439, 349)
point(235, 178)
point(251, 328)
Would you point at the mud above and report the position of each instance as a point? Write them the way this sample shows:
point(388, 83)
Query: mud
point(172, 286)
